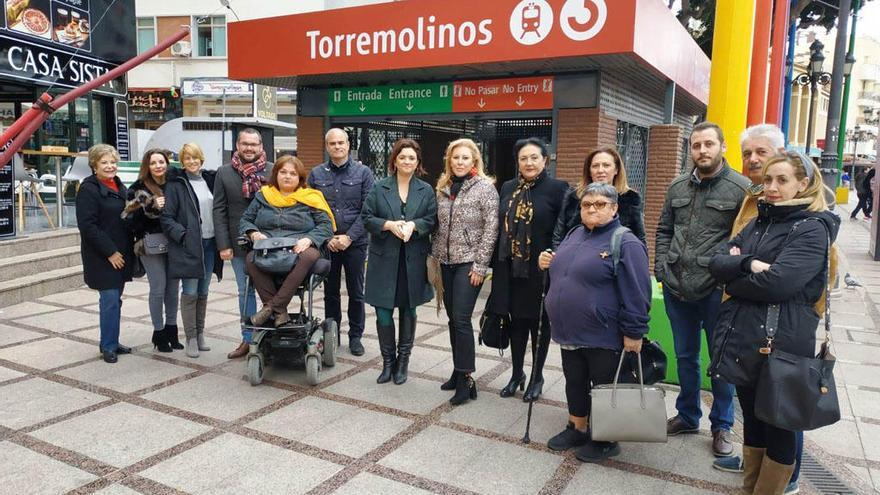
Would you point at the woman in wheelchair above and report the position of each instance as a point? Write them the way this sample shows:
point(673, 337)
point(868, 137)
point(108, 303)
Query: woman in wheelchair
point(287, 208)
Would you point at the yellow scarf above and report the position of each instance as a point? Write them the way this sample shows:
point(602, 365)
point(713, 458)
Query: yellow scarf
point(307, 196)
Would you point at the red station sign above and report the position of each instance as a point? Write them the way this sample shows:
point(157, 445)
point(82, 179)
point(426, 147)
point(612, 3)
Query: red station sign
point(526, 93)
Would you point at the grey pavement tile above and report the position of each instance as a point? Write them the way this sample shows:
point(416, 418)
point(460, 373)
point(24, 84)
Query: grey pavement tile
point(695, 459)
point(850, 320)
point(230, 330)
point(292, 374)
point(841, 438)
point(593, 478)
point(659, 456)
point(116, 490)
point(219, 318)
point(120, 434)
point(473, 463)
point(869, 434)
point(508, 417)
point(416, 395)
point(25, 471)
point(370, 484)
point(79, 297)
point(214, 357)
point(444, 368)
point(371, 348)
point(129, 374)
point(137, 288)
point(49, 353)
point(223, 302)
point(861, 472)
point(11, 335)
point(32, 401)
point(865, 337)
point(332, 425)
point(217, 396)
point(60, 321)
point(131, 334)
point(442, 340)
point(856, 352)
point(231, 464)
point(554, 383)
point(25, 309)
point(8, 374)
point(857, 374)
point(131, 307)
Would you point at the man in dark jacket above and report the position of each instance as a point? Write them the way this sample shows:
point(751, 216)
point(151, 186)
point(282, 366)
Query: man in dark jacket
point(235, 185)
point(698, 214)
point(345, 184)
point(865, 194)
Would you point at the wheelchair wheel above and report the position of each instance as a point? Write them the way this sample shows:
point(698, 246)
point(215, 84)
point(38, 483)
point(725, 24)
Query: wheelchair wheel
point(312, 368)
point(255, 370)
point(330, 343)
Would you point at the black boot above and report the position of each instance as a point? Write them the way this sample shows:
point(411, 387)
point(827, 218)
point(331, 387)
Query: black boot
point(171, 332)
point(450, 384)
point(160, 341)
point(404, 345)
point(465, 388)
point(536, 386)
point(516, 382)
point(387, 348)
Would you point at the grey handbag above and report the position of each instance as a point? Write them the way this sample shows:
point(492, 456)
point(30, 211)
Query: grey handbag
point(628, 412)
point(156, 243)
point(275, 255)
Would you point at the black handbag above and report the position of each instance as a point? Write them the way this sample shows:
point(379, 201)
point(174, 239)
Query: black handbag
point(798, 393)
point(653, 360)
point(137, 268)
point(275, 255)
point(494, 331)
point(156, 243)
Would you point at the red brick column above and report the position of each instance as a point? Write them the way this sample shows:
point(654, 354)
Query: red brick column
point(579, 131)
point(310, 140)
point(664, 157)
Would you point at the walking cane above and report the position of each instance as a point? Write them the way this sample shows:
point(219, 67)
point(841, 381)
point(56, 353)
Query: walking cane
point(526, 438)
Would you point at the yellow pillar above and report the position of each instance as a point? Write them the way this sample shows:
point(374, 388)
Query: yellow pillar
point(729, 79)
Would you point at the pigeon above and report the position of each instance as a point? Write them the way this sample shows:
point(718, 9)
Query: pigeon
point(850, 282)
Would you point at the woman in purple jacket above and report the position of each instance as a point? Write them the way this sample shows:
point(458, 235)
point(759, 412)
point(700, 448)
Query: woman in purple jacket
point(594, 314)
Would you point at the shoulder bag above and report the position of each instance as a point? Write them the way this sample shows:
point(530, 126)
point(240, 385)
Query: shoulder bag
point(275, 255)
point(156, 243)
point(798, 393)
point(628, 412)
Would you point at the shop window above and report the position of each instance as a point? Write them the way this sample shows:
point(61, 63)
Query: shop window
point(211, 37)
point(146, 33)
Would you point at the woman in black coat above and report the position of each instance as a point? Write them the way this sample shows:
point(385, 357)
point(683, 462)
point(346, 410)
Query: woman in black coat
point(603, 164)
point(529, 207)
point(188, 221)
point(400, 213)
point(779, 259)
point(105, 243)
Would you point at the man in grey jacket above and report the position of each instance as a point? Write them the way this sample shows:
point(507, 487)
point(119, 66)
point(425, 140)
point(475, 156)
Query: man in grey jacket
point(234, 187)
point(698, 214)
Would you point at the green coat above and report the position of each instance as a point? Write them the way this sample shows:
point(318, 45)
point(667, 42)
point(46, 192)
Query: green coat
point(382, 204)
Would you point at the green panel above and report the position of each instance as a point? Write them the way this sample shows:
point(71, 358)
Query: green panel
point(661, 331)
point(390, 100)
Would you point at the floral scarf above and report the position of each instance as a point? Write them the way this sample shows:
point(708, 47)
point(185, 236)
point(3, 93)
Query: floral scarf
point(516, 243)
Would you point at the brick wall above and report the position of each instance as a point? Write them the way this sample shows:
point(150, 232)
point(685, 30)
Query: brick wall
point(580, 130)
point(664, 156)
point(310, 140)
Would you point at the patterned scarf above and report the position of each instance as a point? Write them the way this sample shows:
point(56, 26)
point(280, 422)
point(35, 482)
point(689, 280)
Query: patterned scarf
point(250, 181)
point(517, 241)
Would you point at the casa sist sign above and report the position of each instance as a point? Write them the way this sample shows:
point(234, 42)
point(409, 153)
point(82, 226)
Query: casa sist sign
point(415, 34)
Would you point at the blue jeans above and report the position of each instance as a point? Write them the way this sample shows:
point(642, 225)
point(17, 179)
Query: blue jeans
point(199, 286)
point(247, 303)
point(687, 319)
point(110, 312)
point(799, 438)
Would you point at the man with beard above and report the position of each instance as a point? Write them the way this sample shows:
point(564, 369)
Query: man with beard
point(698, 214)
point(234, 188)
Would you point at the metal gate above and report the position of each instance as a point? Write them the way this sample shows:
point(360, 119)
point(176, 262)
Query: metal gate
point(632, 144)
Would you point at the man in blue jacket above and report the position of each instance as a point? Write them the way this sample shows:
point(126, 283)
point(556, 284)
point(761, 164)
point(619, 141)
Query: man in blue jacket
point(345, 184)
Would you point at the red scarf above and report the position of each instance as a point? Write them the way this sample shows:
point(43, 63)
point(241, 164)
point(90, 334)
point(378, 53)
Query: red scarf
point(250, 181)
point(111, 184)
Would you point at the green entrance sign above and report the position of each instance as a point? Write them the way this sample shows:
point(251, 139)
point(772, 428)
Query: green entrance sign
point(390, 100)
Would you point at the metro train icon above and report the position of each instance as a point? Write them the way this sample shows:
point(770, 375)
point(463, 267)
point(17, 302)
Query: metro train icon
point(531, 19)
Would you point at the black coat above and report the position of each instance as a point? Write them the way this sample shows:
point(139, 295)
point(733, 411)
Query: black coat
point(629, 211)
point(382, 204)
point(103, 232)
point(795, 281)
point(182, 222)
point(229, 205)
point(521, 298)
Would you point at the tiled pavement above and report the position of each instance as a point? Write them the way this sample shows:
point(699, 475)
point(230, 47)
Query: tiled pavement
point(165, 423)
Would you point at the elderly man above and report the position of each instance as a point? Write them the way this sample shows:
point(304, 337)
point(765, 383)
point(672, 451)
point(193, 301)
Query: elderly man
point(345, 184)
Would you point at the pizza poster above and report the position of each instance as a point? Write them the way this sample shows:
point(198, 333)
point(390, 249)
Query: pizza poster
point(60, 21)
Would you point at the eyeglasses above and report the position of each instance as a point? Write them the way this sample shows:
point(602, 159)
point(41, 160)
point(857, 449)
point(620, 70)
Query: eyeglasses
point(598, 205)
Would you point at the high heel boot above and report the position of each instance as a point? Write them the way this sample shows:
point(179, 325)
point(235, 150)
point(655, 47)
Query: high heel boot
point(160, 341)
point(465, 388)
point(536, 387)
point(201, 312)
point(173, 339)
point(516, 382)
point(386, 348)
point(188, 315)
point(404, 345)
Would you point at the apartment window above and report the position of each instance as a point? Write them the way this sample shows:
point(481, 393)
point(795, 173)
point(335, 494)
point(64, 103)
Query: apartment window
point(211, 37)
point(146, 33)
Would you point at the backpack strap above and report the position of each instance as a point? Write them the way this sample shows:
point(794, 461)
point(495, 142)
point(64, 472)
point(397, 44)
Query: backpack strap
point(616, 241)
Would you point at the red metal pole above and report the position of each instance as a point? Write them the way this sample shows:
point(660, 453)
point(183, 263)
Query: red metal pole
point(760, 48)
point(777, 63)
point(45, 107)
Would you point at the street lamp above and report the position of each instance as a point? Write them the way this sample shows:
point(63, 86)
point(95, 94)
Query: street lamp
point(814, 76)
point(857, 130)
point(848, 64)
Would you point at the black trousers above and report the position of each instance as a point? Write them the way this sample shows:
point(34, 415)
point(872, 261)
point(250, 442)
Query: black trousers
point(781, 444)
point(460, 297)
point(583, 369)
point(520, 329)
point(352, 259)
point(864, 205)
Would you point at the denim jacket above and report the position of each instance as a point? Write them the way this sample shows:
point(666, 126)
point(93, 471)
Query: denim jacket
point(345, 189)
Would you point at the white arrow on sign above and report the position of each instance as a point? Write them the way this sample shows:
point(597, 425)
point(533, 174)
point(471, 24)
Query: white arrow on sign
point(362, 107)
point(409, 106)
point(520, 102)
point(481, 103)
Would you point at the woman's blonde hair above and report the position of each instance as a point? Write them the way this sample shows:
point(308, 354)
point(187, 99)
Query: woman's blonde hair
point(446, 177)
point(193, 150)
point(816, 189)
point(98, 151)
point(619, 182)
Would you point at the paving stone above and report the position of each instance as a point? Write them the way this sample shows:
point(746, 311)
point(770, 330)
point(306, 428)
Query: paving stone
point(60, 321)
point(371, 348)
point(25, 471)
point(230, 331)
point(222, 302)
point(8, 374)
point(865, 337)
point(26, 309)
point(444, 368)
point(35, 400)
point(332, 425)
point(857, 374)
point(218, 318)
point(370, 484)
point(79, 297)
point(231, 464)
point(856, 352)
point(296, 375)
point(12, 335)
point(49, 353)
point(116, 490)
point(217, 396)
point(851, 320)
point(121, 434)
point(868, 433)
point(508, 417)
point(473, 463)
point(131, 334)
point(694, 459)
point(416, 395)
point(137, 288)
point(129, 374)
point(592, 478)
point(839, 438)
point(214, 357)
